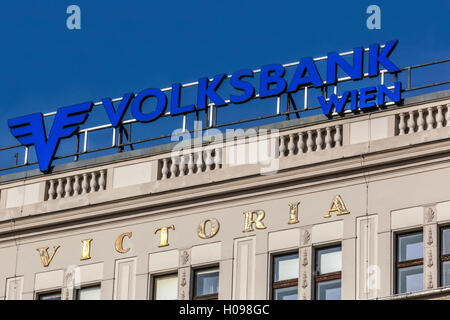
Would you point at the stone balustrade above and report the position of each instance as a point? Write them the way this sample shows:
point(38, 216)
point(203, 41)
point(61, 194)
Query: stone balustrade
point(419, 120)
point(188, 164)
point(76, 185)
point(310, 141)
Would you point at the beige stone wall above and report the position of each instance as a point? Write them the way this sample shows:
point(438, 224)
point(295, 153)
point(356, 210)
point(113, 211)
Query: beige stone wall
point(388, 183)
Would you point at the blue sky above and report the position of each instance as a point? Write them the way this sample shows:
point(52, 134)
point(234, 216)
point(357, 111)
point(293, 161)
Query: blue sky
point(126, 46)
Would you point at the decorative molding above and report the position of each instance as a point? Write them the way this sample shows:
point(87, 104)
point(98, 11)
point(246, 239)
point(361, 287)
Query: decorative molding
point(429, 281)
point(305, 258)
point(429, 215)
point(185, 258)
point(304, 280)
point(430, 259)
point(306, 237)
point(430, 237)
point(183, 278)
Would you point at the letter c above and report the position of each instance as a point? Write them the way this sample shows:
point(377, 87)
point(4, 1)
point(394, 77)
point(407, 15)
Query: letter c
point(119, 242)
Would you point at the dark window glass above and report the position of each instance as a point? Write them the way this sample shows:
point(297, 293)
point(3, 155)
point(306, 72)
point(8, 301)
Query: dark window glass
point(328, 273)
point(409, 262)
point(50, 296)
point(206, 283)
point(285, 277)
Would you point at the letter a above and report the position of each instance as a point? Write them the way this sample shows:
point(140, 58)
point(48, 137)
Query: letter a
point(337, 205)
point(373, 21)
point(74, 20)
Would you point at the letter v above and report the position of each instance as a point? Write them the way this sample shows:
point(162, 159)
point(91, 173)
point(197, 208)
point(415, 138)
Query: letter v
point(46, 259)
point(116, 116)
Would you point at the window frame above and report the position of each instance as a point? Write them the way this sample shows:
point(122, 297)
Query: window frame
point(407, 263)
point(86, 286)
point(210, 296)
point(325, 277)
point(283, 283)
point(48, 292)
point(153, 282)
point(442, 257)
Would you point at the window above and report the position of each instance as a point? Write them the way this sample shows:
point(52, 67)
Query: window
point(165, 287)
point(445, 257)
point(89, 293)
point(409, 262)
point(328, 273)
point(206, 284)
point(285, 277)
point(56, 295)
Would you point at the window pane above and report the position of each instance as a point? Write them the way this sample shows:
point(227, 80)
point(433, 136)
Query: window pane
point(329, 290)
point(445, 241)
point(410, 279)
point(166, 287)
point(410, 247)
point(286, 267)
point(207, 282)
point(445, 273)
point(50, 296)
point(89, 293)
point(329, 260)
point(289, 293)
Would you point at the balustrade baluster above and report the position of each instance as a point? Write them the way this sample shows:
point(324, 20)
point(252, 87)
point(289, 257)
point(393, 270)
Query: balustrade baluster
point(76, 186)
point(84, 184)
point(102, 180)
point(51, 190)
point(68, 188)
point(411, 122)
point(164, 170)
point(300, 143)
point(309, 142)
point(401, 124)
point(319, 139)
point(291, 145)
point(59, 189)
point(440, 117)
point(328, 138)
point(420, 121)
point(430, 119)
point(94, 184)
point(338, 136)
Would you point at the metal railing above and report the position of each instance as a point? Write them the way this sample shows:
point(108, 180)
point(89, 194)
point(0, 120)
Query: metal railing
point(119, 133)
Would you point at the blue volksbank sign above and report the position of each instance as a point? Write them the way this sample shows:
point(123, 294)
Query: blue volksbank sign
point(30, 130)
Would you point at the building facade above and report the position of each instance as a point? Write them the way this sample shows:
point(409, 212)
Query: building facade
point(356, 207)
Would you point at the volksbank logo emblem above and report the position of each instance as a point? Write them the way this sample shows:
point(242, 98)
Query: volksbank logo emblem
point(30, 130)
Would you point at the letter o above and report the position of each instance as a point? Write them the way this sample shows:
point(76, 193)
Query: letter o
point(201, 232)
point(136, 107)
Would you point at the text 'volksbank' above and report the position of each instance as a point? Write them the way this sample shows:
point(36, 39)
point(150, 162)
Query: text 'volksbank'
point(30, 130)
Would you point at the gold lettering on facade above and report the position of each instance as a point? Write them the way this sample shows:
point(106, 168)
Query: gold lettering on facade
point(46, 259)
point(164, 235)
point(201, 231)
point(86, 251)
point(250, 221)
point(119, 242)
point(293, 213)
point(338, 206)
